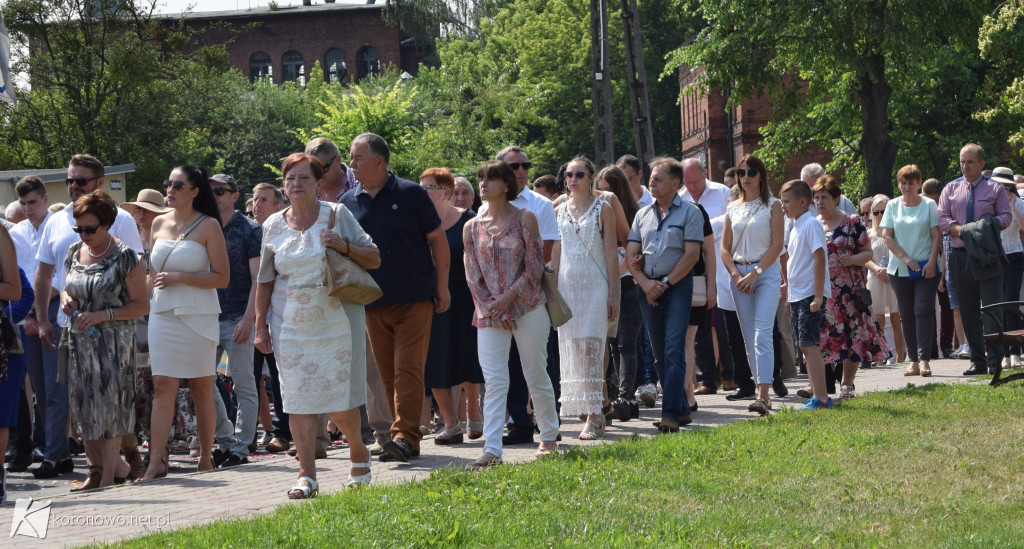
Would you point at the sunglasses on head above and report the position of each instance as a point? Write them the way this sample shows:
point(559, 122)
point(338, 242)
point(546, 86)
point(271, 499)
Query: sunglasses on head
point(220, 191)
point(575, 175)
point(178, 185)
point(750, 172)
point(517, 165)
point(327, 166)
point(80, 181)
point(86, 230)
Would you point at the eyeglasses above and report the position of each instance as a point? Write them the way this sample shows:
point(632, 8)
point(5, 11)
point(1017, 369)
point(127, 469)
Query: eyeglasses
point(433, 187)
point(516, 165)
point(865, 214)
point(178, 185)
point(220, 191)
point(575, 175)
point(878, 212)
point(80, 181)
point(750, 172)
point(86, 230)
point(248, 213)
point(327, 166)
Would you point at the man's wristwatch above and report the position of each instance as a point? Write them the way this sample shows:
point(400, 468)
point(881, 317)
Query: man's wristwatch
point(758, 270)
point(666, 281)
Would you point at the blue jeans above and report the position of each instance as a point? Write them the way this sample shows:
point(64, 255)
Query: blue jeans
point(666, 325)
point(51, 397)
point(757, 319)
point(236, 435)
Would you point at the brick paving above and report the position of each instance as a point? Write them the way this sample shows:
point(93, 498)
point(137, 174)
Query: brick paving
point(187, 498)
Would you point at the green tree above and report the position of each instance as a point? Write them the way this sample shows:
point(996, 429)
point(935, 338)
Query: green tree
point(1001, 43)
point(857, 57)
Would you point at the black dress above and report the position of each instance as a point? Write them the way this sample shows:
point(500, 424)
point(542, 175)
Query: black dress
point(452, 358)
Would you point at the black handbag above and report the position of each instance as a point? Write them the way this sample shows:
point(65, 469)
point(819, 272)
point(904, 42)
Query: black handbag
point(862, 298)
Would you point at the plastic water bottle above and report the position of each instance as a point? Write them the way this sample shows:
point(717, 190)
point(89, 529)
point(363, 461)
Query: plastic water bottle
point(885, 261)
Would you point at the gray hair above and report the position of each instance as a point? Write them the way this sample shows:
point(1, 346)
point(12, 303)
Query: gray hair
point(278, 195)
point(377, 145)
point(12, 210)
point(507, 151)
point(321, 146)
point(812, 170)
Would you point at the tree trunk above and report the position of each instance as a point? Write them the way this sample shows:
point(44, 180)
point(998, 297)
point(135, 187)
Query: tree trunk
point(877, 147)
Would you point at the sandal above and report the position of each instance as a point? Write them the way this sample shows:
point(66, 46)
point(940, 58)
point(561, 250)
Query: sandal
point(594, 429)
point(543, 452)
point(913, 370)
point(926, 370)
point(760, 406)
point(486, 461)
point(450, 435)
point(160, 475)
point(304, 491)
point(475, 429)
point(358, 480)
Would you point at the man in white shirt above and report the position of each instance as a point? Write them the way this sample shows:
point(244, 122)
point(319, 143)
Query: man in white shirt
point(634, 170)
point(714, 197)
point(810, 174)
point(85, 175)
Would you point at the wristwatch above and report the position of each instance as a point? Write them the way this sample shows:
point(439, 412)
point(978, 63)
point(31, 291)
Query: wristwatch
point(666, 281)
point(758, 270)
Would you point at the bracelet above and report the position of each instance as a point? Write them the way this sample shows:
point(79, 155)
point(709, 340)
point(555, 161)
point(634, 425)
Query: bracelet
point(110, 313)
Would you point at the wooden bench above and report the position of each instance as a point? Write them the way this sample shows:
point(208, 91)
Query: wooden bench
point(999, 313)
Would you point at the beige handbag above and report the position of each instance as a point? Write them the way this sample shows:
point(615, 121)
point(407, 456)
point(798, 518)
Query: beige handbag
point(558, 310)
point(700, 290)
point(346, 280)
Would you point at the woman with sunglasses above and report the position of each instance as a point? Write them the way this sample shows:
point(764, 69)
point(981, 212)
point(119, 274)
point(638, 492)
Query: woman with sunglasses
point(883, 300)
point(104, 292)
point(751, 244)
point(587, 263)
point(189, 263)
point(910, 227)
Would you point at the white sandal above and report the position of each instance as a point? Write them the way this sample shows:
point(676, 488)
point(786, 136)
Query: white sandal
point(354, 481)
point(309, 490)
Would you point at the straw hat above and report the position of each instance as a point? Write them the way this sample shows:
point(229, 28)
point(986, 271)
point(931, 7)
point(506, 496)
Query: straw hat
point(1004, 175)
point(149, 199)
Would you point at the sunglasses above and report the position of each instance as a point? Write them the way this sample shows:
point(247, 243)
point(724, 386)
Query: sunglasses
point(878, 212)
point(865, 214)
point(248, 214)
point(220, 191)
point(86, 230)
point(740, 172)
point(178, 185)
point(80, 181)
point(433, 187)
point(516, 165)
point(575, 175)
point(327, 166)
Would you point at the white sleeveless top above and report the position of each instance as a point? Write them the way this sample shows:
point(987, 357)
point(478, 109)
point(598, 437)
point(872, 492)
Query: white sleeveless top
point(751, 229)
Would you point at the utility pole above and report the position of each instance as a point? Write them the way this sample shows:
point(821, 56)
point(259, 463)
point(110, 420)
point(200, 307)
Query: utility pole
point(637, 78)
point(603, 143)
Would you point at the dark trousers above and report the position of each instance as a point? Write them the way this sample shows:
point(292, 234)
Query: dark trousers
point(972, 294)
point(281, 429)
point(916, 301)
point(707, 366)
point(1011, 292)
point(519, 393)
point(741, 367)
point(944, 335)
point(645, 372)
point(623, 349)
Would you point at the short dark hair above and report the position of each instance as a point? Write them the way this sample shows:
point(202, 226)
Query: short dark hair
point(30, 184)
point(731, 172)
point(675, 169)
point(546, 181)
point(910, 172)
point(377, 145)
point(798, 188)
point(932, 186)
point(631, 161)
point(99, 204)
point(498, 169)
point(294, 159)
point(321, 145)
point(90, 162)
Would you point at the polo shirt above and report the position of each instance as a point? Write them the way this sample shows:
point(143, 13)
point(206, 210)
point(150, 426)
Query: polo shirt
point(26, 241)
point(645, 198)
point(663, 239)
point(398, 220)
point(57, 237)
point(805, 236)
point(244, 238)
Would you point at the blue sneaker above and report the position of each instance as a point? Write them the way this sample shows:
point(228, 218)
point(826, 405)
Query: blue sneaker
point(816, 404)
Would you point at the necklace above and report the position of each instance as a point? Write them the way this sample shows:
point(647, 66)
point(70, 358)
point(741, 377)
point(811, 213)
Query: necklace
point(576, 209)
point(110, 241)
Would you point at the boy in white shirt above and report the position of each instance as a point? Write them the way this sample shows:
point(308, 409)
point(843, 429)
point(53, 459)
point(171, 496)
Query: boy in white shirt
point(807, 272)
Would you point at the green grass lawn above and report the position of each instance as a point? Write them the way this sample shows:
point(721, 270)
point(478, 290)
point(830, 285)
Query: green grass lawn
point(936, 466)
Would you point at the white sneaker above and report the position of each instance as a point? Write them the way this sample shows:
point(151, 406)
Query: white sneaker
point(1014, 361)
point(1006, 362)
point(964, 352)
point(648, 394)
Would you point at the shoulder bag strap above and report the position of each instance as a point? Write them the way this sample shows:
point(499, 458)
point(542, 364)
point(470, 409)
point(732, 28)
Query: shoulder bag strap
point(179, 241)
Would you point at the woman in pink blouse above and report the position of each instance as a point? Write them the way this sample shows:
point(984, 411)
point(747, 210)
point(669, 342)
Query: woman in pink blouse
point(504, 266)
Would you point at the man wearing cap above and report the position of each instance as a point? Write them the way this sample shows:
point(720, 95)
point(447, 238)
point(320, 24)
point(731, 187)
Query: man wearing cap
point(85, 175)
point(238, 314)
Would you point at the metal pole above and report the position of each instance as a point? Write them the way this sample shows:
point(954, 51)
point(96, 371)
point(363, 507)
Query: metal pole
point(603, 143)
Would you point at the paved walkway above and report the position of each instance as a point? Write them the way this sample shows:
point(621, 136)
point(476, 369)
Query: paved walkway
point(187, 498)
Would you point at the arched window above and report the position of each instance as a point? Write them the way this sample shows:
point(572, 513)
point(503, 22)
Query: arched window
point(369, 62)
point(292, 68)
point(335, 66)
point(259, 66)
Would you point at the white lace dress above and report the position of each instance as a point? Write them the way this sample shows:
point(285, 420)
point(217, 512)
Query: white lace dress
point(583, 282)
point(310, 331)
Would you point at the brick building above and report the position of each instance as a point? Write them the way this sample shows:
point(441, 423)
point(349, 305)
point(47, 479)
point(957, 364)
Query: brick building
point(722, 136)
point(350, 41)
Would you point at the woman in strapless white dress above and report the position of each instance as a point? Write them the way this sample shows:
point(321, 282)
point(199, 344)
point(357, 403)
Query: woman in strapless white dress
point(189, 262)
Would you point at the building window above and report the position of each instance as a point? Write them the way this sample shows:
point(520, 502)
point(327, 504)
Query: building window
point(292, 69)
point(368, 61)
point(335, 67)
point(259, 66)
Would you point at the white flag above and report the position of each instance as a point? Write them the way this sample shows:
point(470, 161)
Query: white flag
point(6, 87)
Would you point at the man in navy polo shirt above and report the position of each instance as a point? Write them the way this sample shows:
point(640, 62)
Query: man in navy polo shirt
point(400, 217)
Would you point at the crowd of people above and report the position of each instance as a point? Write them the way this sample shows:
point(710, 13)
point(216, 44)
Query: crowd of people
point(676, 286)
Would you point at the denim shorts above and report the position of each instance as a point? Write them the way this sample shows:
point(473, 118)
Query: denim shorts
point(806, 325)
point(951, 292)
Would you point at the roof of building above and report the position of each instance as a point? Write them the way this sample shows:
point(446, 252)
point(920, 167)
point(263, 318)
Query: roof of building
point(265, 11)
point(58, 174)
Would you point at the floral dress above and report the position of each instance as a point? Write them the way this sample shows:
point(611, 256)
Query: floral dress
point(849, 334)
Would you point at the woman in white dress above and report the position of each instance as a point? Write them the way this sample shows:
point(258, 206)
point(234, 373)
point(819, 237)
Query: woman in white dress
point(189, 263)
point(318, 340)
point(883, 299)
point(587, 263)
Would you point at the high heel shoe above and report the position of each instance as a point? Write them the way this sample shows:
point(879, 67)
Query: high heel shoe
point(162, 474)
point(304, 491)
point(913, 370)
point(926, 370)
point(474, 429)
point(359, 480)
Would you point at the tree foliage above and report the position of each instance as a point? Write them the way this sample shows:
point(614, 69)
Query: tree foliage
point(1001, 42)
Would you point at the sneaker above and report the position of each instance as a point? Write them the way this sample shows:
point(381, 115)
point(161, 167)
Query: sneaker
point(277, 445)
point(220, 457)
point(1006, 362)
point(376, 449)
point(233, 460)
point(815, 404)
point(804, 392)
point(648, 394)
point(847, 392)
point(1014, 361)
point(620, 410)
point(964, 352)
